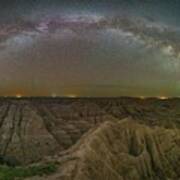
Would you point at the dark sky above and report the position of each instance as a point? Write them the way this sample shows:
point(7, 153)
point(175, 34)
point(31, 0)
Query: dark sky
point(90, 48)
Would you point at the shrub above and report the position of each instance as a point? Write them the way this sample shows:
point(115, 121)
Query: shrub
point(9, 173)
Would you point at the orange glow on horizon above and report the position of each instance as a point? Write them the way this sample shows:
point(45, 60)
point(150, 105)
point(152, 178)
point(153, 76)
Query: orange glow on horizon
point(18, 95)
point(72, 95)
point(163, 97)
point(142, 97)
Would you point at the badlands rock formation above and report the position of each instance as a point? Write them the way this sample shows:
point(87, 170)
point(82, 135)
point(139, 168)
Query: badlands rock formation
point(122, 150)
point(105, 138)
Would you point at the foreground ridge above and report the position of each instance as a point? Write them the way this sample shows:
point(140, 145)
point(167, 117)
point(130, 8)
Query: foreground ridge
point(122, 150)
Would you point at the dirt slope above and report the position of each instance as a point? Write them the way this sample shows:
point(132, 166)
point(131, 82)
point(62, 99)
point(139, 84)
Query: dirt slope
point(124, 150)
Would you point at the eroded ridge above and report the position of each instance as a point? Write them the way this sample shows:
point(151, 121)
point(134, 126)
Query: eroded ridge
point(122, 150)
point(33, 128)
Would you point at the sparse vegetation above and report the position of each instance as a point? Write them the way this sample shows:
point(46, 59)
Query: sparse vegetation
point(9, 173)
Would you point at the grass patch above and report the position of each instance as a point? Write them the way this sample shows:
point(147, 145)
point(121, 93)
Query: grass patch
point(9, 173)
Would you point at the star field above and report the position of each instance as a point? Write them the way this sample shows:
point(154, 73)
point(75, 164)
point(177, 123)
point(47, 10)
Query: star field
point(89, 48)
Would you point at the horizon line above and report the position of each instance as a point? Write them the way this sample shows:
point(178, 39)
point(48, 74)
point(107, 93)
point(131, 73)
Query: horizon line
point(74, 97)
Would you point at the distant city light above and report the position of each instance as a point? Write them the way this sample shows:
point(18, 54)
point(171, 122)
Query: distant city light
point(18, 96)
point(72, 95)
point(142, 97)
point(53, 95)
point(163, 97)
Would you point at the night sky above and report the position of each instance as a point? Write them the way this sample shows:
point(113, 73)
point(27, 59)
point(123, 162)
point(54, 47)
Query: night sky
point(90, 48)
